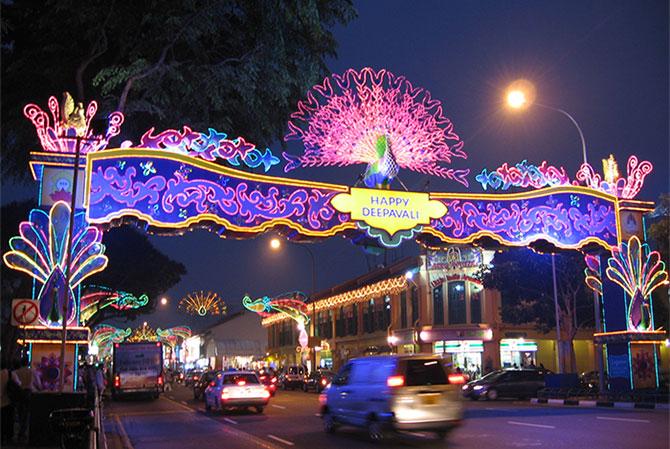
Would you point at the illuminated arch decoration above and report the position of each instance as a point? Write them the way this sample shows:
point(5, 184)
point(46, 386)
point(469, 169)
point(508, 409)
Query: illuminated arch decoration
point(290, 305)
point(143, 333)
point(201, 304)
point(523, 175)
point(592, 275)
point(639, 272)
point(210, 146)
point(611, 182)
point(40, 251)
point(172, 335)
point(106, 335)
point(70, 120)
point(375, 118)
point(101, 297)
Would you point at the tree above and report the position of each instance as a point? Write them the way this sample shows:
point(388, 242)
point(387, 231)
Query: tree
point(239, 66)
point(524, 279)
point(142, 270)
point(658, 237)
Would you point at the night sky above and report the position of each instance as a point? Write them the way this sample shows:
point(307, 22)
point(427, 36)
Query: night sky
point(606, 63)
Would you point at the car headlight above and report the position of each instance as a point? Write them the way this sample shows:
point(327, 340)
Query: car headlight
point(478, 387)
point(465, 387)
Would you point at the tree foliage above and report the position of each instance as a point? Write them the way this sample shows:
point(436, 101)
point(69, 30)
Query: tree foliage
point(238, 66)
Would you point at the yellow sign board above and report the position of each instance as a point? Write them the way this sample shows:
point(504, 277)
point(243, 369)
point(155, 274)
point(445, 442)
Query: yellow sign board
point(389, 210)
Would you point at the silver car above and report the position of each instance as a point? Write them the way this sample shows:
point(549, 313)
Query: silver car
point(236, 389)
point(396, 392)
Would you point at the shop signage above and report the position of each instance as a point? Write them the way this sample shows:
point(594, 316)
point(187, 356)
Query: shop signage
point(35, 334)
point(459, 346)
point(519, 345)
point(454, 258)
point(389, 210)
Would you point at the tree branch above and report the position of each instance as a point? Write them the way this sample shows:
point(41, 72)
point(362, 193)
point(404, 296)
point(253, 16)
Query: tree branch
point(97, 50)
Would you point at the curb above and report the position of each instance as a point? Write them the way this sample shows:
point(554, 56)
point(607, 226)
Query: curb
point(609, 404)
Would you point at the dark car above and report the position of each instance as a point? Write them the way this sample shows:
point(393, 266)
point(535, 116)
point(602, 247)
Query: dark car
point(202, 383)
point(521, 383)
point(192, 377)
point(318, 380)
point(293, 377)
point(269, 379)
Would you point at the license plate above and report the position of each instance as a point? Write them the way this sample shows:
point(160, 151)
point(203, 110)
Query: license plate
point(430, 399)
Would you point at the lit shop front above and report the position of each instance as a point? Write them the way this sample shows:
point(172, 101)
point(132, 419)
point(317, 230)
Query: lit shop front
point(463, 354)
point(517, 352)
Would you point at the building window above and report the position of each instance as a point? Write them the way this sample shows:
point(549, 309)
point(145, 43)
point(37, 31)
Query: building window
point(438, 305)
point(369, 317)
point(380, 307)
point(403, 309)
point(475, 304)
point(352, 319)
point(341, 323)
point(415, 305)
point(329, 325)
point(456, 302)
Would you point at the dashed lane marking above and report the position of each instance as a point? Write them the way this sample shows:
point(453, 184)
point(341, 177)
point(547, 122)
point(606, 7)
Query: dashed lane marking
point(317, 415)
point(229, 420)
point(542, 426)
point(122, 433)
point(184, 402)
point(281, 440)
point(278, 406)
point(608, 418)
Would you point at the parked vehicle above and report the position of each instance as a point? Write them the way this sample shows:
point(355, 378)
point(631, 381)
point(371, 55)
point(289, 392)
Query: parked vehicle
point(236, 389)
point(394, 392)
point(137, 368)
point(522, 383)
point(202, 383)
point(318, 380)
point(293, 377)
point(269, 379)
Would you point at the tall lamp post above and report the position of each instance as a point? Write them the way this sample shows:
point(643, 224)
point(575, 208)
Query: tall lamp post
point(275, 244)
point(520, 95)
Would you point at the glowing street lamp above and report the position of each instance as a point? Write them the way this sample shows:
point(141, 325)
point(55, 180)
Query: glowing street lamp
point(275, 243)
point(164, 301)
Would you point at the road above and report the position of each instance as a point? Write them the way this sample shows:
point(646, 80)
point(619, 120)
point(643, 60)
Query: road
point(176, 421)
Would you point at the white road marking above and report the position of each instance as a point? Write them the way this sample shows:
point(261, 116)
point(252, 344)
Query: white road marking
point(184, 402)
point(317, 414)
point(518, 423)
point(232, 421)
point(281, 440)
point(124, 436)
point(278, 406)
point(418, 434)
point(622, 419)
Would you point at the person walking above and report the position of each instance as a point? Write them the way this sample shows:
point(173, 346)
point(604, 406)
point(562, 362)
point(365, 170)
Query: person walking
point(27, 380)
point(7, 406)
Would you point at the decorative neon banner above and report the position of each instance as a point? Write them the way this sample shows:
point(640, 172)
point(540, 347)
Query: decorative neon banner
point(180, 191)
point(201, 304)
point(101, 297)
point(523, 175)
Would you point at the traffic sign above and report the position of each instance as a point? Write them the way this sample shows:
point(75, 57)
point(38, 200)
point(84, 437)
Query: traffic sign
point(25, 312)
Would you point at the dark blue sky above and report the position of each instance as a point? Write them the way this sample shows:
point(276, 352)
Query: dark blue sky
point(606, 63)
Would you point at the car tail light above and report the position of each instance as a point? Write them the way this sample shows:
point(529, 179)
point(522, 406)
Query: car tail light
point(395, 381)
point(456, 379)
point(195, 377)
point(266, 394)
point(181, 375)
point(224, 394)
point(160, 380)
point(324, 381)
point(323, 399)
point(117, 381)
point(263, 377)
point(274, 380)
point(212, 384)
point(241, 383)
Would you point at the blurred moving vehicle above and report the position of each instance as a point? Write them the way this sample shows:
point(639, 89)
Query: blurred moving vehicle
point(394, 392)
point(192, 377)
point(269, 379)
point(520, 383)
point(236, 389)
point(202, 383)
point(293, 377)
point(317, 380)
point(137, 368)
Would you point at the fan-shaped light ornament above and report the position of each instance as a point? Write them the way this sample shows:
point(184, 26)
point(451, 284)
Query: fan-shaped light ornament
point(99, 297)
point(639, 272)
point(374, 118)
point(173, 334)
point(40, 250)
point(201, 304)
point(105, 335)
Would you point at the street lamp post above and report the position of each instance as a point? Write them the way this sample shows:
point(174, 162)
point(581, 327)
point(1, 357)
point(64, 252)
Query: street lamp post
point(275, 244)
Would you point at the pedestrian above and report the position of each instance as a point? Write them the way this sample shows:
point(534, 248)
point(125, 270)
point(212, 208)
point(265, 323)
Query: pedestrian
point(90, 384)
point(9, 386)
point(28, 381)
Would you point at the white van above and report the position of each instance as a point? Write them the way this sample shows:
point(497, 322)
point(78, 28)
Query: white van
point(395, 392)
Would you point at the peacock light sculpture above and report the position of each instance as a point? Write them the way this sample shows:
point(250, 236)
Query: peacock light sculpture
point(201, 304)
point(375, 118)
point(40, 250)
point(639, 272)
point(99, 297)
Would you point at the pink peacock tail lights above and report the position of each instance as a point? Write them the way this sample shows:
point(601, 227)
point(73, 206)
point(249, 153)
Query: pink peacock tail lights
point(375, 118)
point(639, 272)
point(611, 182)
point(70, 121)
point(592, 275)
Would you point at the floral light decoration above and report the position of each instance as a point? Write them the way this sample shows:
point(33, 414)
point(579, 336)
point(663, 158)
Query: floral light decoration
point(375, 118)
point(41, 250)
point(101, 297)
point(611, 182)
point(210, 146)
point(639, 272)
point(143, 333)
point(290, 305)
point(70, 120)
point(592, 275)
point(201, 304)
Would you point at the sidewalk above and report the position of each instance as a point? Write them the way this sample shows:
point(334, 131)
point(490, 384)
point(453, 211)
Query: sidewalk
point(600, 403)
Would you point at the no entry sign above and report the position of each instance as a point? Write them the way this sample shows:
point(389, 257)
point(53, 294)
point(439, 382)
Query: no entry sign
point(24, 312)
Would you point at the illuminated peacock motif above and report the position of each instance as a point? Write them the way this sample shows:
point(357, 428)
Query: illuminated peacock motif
point(201, 304)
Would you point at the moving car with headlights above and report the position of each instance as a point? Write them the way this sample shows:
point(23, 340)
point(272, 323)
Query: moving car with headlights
point(393, 392)
point(236, 389)
point(317, 380)
point(520, 383)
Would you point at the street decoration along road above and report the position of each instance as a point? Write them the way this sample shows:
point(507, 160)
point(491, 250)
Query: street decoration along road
point(201, 304)
point(99, 297)
point(291, 305)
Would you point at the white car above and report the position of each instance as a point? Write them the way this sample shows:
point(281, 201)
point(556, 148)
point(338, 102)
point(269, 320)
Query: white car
point(236, 389)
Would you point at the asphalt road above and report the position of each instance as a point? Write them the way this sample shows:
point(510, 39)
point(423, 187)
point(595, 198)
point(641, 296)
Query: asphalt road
point(176, 421)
